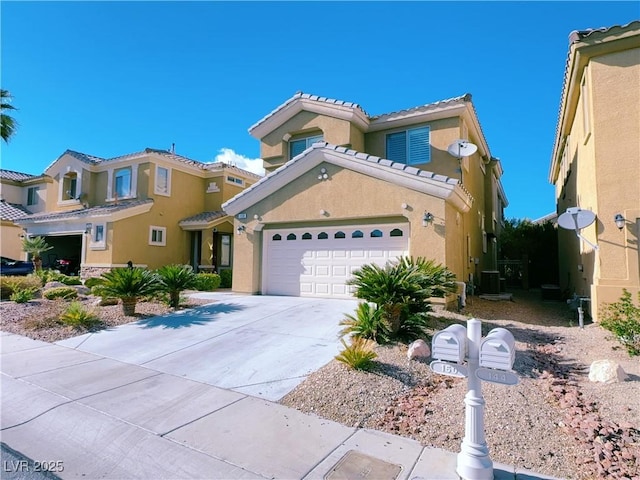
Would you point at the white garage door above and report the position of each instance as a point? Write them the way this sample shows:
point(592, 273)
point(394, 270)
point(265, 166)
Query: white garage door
point(318, 261)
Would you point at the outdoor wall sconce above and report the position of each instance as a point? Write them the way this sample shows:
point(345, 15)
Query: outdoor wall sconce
point(241, 229)
point(87, 228)
point(323, 175)
point(619, 221)
point(404, 206)
point(323, 213)
point(427, 218)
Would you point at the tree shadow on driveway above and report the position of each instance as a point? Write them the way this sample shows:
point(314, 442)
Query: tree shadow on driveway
point(201, 315)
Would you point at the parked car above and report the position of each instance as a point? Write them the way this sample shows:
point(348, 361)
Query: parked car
point(9, 266)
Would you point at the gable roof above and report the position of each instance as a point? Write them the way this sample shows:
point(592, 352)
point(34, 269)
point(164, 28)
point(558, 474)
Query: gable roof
point(12, 211)
point(18, 177)
point(204, 220)
point(212, 166)
point(401, 174)
point(450, 107)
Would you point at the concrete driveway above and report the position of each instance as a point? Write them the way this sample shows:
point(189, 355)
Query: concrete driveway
point(262, 346)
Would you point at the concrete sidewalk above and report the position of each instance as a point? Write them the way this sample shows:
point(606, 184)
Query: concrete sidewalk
point(93, 417)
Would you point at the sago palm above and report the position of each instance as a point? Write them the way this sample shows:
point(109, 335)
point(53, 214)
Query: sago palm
point(36, 246)
point(129, 284)
point(175, 279)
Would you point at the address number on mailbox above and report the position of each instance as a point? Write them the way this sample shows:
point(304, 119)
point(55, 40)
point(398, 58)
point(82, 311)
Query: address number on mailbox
point(497, 376)
point(451, 369)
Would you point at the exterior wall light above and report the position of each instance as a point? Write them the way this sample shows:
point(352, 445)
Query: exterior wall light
point(427, 218)
point(240, 230)
point(323, 175)
point(87, 228)
point(620, 221)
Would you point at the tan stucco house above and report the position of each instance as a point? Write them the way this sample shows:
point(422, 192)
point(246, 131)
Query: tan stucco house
point(152, 208)
point(345, 188)
point(596, 163)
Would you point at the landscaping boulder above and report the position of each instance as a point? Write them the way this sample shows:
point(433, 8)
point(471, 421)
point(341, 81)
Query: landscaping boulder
point(606, 371)
point(418, 349)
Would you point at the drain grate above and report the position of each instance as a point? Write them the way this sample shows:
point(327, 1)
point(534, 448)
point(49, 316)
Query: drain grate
point(356, 465)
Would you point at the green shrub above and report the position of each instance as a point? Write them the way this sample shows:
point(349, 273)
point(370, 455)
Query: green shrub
point(207, 282)
point(622, 318)
point(11, 284)
point(22, 295)
point(359, 355)
point(225, 278)
point(402, 289)
point(68, 280)
point(66, 293)
point(47, 276)
point(93, 281)
point(366, 323)
point(129, 285)
point(174, 279)
point(78, 317)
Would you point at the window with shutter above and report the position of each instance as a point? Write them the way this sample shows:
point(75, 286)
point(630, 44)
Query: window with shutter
point(410, 146)
point(296, 147)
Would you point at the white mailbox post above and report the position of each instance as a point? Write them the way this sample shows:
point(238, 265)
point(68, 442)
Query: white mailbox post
point(490, 360)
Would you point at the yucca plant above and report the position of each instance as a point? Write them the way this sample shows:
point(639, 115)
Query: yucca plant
point(35, 246)
point(359, 355)
point(175, 279)
point(129, 284)
point(78, 317)
point(367, 323)
point(402, 289)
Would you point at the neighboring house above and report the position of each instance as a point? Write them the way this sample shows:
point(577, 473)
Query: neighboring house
point(596, 163)
point(21, 194)
point(151, 208)
point(345, 188)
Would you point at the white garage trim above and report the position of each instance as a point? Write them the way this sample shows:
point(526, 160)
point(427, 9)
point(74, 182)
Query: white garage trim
point(318, 261)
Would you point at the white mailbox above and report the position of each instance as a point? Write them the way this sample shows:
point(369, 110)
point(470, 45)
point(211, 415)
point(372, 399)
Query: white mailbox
point(450, 344)
point(497, 350)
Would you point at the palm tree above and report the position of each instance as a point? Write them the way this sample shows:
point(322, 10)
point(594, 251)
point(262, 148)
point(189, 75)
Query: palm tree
point(129, 284)
point(175, 279)
point(36, 246)
point(8, 124)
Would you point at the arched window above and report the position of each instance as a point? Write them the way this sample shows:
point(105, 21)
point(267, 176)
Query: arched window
point(291, 236)
point(376, 233)
point(339, 235)
point(357, 234)
point(306, 236)
point(396, 232)
point(323, 236)
point(277, 237)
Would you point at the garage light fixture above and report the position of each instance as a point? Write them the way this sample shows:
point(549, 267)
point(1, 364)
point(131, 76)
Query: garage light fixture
point(87, 228)
point(240, 230)
point(323, 175)
point(427, 218)
point(619, 221)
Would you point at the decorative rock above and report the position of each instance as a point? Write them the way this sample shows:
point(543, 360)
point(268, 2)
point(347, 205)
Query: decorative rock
point(418, 349)
point(49, 285)
point(606, 371)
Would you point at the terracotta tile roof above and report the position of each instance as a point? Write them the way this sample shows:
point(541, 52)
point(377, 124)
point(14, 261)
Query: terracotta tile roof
point(203, 217)
point(97, 211)
point(15, 176)
point(578, 35)
point(382, 162)
point(307, 96)
point(12, 211)
point(93, 160)
point(423, 108)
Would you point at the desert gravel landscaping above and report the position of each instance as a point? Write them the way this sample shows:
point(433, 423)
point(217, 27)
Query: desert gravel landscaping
point(555, 421)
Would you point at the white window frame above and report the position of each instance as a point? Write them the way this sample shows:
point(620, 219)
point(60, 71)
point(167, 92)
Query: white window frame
point(32, 196)
point(308, 142)
point(95, 243)
point(237, 181)
point(160, 189)
point(163, 231)
point(111, 183)
point(407, 145)
point(61, 188)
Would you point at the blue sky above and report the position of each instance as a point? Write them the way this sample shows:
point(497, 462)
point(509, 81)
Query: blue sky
point(111, 78)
